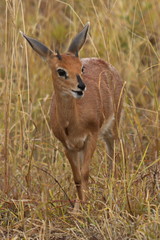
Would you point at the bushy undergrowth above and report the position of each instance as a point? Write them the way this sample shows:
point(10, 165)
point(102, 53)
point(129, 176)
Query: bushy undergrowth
point(36, 187)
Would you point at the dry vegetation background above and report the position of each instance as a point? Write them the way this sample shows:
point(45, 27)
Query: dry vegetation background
point(36, 181)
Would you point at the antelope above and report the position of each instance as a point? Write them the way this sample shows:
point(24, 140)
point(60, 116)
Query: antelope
point(86, 104)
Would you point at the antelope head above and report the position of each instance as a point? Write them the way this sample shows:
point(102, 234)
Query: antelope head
point(67, 69)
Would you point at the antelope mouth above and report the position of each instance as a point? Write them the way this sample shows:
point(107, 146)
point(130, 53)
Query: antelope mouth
point(77, 94)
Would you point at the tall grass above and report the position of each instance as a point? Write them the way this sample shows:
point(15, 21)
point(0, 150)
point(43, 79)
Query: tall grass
point(36, 187)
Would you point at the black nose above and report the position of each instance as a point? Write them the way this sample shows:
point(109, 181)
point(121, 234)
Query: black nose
point(81, 85)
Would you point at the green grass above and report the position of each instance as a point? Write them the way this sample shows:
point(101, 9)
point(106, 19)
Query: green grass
point(36, 184)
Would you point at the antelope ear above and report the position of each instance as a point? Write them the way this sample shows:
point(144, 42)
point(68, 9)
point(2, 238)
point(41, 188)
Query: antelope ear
point(79, 40)
point(38, 47)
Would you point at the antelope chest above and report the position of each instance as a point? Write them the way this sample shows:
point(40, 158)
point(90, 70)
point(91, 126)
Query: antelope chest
point(75, 143)
point(71, 136)
point(74, 138)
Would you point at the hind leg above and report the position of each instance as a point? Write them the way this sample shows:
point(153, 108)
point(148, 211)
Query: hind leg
point(109, 139)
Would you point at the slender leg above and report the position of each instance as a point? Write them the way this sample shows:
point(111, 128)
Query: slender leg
point(88, 153)
point(75, 165)
point(74, 161)
point(79, 162)
point(109, 139)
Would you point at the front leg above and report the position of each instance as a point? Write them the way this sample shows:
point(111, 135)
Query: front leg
point(79, 161)
point(75, 162)
point(89, 149)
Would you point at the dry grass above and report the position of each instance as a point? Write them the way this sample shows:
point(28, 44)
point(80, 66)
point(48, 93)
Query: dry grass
point(36, 181)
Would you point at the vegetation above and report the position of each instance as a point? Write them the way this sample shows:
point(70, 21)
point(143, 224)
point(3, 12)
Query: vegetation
point(36, 187)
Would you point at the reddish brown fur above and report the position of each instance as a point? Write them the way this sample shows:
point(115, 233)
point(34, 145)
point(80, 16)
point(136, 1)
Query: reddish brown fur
point(77, 122)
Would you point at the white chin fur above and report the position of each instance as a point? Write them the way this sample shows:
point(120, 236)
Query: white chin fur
point(76, 95)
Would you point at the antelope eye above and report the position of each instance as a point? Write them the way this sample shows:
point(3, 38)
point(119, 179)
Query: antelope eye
point(62, 73)
point(83, 69)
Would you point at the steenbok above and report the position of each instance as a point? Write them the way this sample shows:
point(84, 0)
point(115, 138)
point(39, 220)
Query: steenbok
point(86, 104)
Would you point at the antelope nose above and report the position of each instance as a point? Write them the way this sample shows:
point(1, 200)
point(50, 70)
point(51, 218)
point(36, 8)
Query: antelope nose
point(81, 85)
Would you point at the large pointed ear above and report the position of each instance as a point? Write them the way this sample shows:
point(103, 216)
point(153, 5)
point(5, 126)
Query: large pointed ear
point(40, 48)
point(79, 40)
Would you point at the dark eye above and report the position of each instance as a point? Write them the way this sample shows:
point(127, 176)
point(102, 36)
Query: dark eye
point(62, 73)
point(83, 69)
